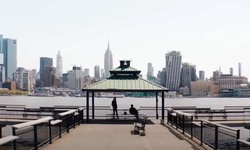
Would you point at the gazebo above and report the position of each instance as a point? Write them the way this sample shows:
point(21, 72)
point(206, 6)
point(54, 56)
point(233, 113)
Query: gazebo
point(123, 79)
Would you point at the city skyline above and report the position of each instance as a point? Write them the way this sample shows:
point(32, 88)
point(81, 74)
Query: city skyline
point(209, 34)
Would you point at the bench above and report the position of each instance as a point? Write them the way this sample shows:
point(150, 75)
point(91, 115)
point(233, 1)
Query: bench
point(32, 112)
point(218, 113)
point(124, 116)
point(201, 111)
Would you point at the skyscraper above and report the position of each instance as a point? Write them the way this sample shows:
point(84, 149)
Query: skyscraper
point(231, 71)
point(193, 72)
point(108, 61)
point(76, 78)
point(202, 75)
point(2, 69)
point(173, 70)
point(25, 80)
point(10, 57)
point(102, 74)
point(185, 75)
point(216, 76)
point(150, 70)
point(50, 77)
point(1, 44)
point(59, 69)
point(239, 67)
point(44, 62)
point(86, 72)
point(97, 72)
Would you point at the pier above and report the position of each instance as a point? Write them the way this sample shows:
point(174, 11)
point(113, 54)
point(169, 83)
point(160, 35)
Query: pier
point(116, 136)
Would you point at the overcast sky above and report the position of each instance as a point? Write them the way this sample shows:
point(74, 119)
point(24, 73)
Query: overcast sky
point(208, 33)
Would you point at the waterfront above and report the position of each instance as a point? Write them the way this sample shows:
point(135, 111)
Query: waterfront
point(214, 103)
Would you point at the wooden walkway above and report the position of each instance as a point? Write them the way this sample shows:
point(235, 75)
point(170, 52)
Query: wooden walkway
point(118, 137)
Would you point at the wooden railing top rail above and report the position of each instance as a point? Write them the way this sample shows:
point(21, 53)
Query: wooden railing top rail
point(67, 112)
point(54, 122)
point(183, 107)
point(244, 142)
point(220, 125)
point(31, 123)
point(182, 113)
point(8, 139)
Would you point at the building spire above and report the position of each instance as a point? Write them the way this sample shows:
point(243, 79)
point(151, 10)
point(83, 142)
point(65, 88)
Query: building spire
point(108, 44)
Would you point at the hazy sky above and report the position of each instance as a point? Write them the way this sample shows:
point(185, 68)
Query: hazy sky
point(208, 33)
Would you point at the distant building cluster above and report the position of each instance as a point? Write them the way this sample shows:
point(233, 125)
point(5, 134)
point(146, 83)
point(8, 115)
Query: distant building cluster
point(179, 77)
point(19, 78)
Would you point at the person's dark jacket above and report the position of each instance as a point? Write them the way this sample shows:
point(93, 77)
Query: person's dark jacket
point(114, 104)
point(132, 110)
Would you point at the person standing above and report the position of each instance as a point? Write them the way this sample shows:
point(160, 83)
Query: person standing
point(114, 105)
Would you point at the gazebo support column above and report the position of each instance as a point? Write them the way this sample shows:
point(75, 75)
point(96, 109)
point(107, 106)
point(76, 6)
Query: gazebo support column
point(93, 105)
point(162, 106)
point(156, 96)
point(87, 105)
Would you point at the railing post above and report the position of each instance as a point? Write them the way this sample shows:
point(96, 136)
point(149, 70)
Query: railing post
point(35, 138)
point(176, 121)
point(201, 132)
point(192, 134)
point(93, 105)
point(50, 134)
point(183, 124)
point(238, 137)
point(82, 116)
point(14, 134)
point(172, 118)
point(74, 120)
point(79, 119)
point(156, 95)
point(67, 123)
point(216, 138)
point(168, 116)
point(60, 130)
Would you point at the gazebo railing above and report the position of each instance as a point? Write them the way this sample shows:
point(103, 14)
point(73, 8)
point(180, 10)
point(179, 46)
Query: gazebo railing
point(214, 135)
point(103, 111)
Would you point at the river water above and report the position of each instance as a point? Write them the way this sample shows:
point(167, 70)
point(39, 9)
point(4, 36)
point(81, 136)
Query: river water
point(214, 103)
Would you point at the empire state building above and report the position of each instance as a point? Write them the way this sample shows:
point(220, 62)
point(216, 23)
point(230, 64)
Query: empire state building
point(108, 61)
point(59, 69)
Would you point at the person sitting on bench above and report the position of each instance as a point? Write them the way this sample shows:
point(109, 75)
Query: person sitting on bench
point(133, 111)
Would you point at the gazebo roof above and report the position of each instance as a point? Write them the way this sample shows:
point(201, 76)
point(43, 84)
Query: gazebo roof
point(125, 78)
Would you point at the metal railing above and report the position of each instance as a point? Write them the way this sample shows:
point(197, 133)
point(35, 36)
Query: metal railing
point(32, 134)
point(37, 133)
point(103, 111)
point(6, 143)
point(244, 145)
point(214, 135)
